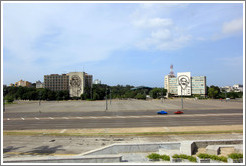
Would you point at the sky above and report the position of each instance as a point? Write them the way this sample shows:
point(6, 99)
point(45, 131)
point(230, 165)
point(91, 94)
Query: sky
point(123, 43)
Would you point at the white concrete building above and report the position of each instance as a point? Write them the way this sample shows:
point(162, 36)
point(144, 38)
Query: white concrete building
point(185, 85)
point(238, 88)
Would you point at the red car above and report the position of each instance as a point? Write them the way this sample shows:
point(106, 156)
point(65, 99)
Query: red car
point(179, 112)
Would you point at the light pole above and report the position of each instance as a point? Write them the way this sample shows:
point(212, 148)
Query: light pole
point(181, 99)
point(4, 90)
point(39, 101)
point(106, 99)
point(110, 95)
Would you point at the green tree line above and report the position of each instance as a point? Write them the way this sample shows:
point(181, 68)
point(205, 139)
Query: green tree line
point(214, 92)
point(26, 93)
point(97, 92)
point(100, 91)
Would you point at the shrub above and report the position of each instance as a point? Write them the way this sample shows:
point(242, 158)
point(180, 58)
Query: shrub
point(165, 157)
point(183, 156)
point(213, 157)
point(175, 156)
point(9, 99)
point(203, 156)
point(235, 155)
point(154, 156)
point(223, 158)
point(191, 159)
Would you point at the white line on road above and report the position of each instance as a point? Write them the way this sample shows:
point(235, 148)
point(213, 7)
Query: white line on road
point(51, 118)
point(36, 118)
point(63, 131)
point(65, 118)
point(22, 118)
point(8, 119)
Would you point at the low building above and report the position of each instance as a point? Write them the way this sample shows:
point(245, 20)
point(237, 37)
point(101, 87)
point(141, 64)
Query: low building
point(238, 88)
point(97, 81)
point(39, 84)
point(226, 89)
point(23, 84)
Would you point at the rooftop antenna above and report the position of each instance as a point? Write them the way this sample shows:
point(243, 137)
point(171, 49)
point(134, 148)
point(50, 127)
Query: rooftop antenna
point(171, 71)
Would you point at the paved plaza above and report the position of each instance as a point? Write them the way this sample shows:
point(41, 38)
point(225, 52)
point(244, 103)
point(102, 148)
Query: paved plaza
point(121, 105)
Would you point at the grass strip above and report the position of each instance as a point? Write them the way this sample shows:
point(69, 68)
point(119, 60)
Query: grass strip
point(119, 134)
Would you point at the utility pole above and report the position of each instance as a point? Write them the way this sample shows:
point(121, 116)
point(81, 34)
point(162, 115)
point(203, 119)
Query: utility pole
point(181, 99)
point(91, 92)
point(110, 95)
point(106, 99)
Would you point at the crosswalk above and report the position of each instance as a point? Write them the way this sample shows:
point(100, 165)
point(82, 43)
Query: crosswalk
point(121, 117)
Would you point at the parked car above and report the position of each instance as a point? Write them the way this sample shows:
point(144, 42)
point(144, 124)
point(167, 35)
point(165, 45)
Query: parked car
point(162, 112)
point(179, 112)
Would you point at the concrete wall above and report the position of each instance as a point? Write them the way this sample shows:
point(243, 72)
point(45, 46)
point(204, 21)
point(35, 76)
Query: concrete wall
point(131, 148)
point(74, 159)
point(205, 143)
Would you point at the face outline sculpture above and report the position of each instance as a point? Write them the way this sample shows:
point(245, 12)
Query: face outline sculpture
point(75, 83)
point(183, 81)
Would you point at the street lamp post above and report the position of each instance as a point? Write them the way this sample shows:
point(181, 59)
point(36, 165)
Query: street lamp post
point(4, 91)
point(181, 99)
point(110, 95)
point(106, 99)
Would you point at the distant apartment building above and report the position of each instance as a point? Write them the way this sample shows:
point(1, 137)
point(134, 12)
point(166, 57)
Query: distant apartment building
point(97, 81)
point(234, 88)
point(39, 84)
point(23, 84)
point(185, 85)
point(74, 82)
point(238, 88)
point(56, 82)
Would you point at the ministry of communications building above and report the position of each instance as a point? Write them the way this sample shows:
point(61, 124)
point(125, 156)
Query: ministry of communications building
point(185, 85)
point(74, 82)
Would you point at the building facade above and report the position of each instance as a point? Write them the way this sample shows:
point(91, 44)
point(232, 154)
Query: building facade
point(39, 84)
point(56, 82)
point(185, 85)
point(234, 88)
point(97, 81)
point(23, 83)
point(74, 82)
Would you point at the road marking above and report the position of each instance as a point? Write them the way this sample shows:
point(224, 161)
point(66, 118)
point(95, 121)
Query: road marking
point(143, 116)
point(63, 131)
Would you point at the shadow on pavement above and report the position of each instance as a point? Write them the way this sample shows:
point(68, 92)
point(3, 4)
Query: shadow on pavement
point(46, 150)
point(11, 148)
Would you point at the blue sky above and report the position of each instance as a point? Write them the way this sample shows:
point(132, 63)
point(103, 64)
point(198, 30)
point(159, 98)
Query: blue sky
point(123, 43)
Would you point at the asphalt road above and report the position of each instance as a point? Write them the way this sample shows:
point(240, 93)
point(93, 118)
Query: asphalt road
point(110, 113)
point(122, 114)
point(122, 121)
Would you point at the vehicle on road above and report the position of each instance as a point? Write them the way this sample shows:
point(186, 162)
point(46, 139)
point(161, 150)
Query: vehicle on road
point(179, 112)
point(162, 112)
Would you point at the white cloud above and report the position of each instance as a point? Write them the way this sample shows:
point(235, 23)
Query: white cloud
point(229, 29)
point(161, 34)
point(153, 23)
point(233, 26)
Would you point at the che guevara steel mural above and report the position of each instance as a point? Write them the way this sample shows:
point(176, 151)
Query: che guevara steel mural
point(75, 83)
